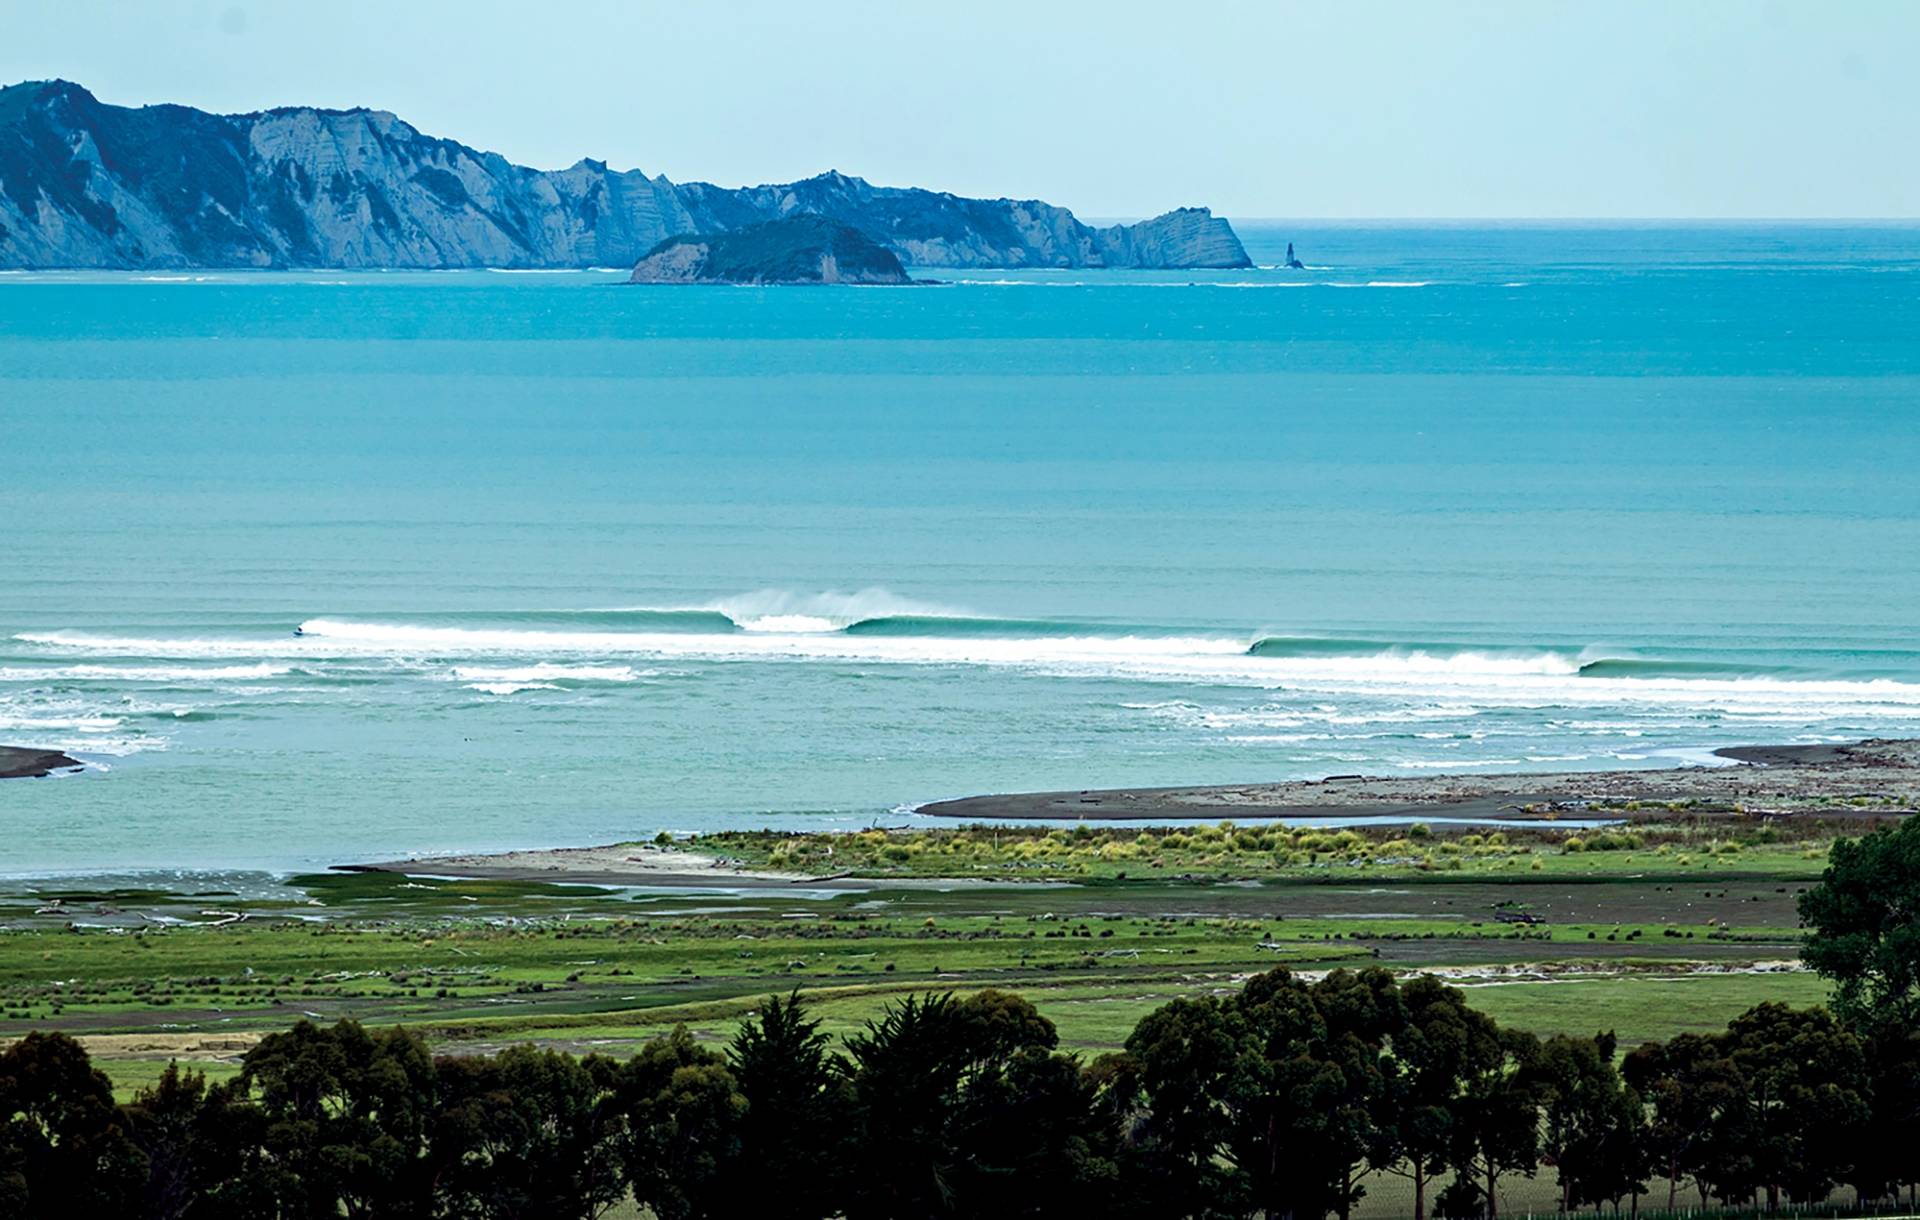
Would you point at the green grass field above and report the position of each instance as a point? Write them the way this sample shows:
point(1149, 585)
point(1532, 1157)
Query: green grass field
point(1675, 928)
point(1095, 1015)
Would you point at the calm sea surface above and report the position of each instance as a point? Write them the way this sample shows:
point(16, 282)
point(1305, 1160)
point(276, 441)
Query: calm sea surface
point(329, 566)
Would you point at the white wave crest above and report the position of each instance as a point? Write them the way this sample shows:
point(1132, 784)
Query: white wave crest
point(547, 672)
point(1466, 679)
point(783, 612)
point(790, 624)
point(509, 688)
point(84, 723)
point(1421, 661)
point(69, 725)
point(142, 673)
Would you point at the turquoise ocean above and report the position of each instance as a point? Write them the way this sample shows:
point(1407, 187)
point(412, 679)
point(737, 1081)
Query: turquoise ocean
point(329, 566)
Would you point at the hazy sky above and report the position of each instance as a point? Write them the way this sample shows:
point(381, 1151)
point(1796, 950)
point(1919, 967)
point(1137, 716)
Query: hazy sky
point(1671, 108)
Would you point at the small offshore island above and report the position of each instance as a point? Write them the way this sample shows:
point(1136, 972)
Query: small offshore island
point(807, 249)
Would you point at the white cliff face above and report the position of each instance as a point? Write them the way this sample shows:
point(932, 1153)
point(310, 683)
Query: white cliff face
point(1189, 237)
point(88, 185)
point(373, 191)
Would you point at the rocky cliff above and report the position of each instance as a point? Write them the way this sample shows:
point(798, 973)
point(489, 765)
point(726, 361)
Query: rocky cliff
point(804, 249)
point(84, 184)
point(933, 229)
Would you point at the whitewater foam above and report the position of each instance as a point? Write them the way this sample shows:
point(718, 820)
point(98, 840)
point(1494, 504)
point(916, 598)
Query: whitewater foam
point(790, 624)
point(68, 724)
point(509, 688)
point(783, 611)
point(78, 724)
point(1328, 684)
point(547, 672)
point(142, 673)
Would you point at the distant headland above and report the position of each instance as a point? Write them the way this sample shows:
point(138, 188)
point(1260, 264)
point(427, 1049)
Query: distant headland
point(89, 185)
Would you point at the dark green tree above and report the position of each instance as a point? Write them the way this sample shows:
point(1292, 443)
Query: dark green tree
point(1690, 1086)
point(205, 1150)
point(1304, 1086)
point(683, 1112)
point(961, 1108)
point(1281, 1098)
point(527, 1134)
point(905, 1076)
point(346, 1115)
point(168, 1123)
point(1592, 1124)
point(1461, 1199)
point(1802, 1104)
point(1496, 1122)
point(235, 1176)
point(1365, 1013)
point(63, 1149)
point(1864, 925)
point(1440, 1044)
point(1029, 1142)
point(793, 1133)
point(1167, 1093)
point(1884, 1162)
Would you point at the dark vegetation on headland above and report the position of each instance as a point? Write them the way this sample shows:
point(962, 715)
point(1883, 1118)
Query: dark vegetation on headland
point(1272, 1100)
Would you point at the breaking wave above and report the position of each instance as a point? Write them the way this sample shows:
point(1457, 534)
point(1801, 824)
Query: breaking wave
point(512, 652)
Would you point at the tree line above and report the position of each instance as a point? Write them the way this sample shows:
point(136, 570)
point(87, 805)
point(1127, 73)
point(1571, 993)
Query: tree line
point(1275, 1100)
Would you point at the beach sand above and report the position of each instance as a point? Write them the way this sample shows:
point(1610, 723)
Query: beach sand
point(641, 865)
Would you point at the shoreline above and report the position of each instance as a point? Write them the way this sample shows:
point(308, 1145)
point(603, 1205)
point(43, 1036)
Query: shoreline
point(641, 865)
point(1772, 779)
